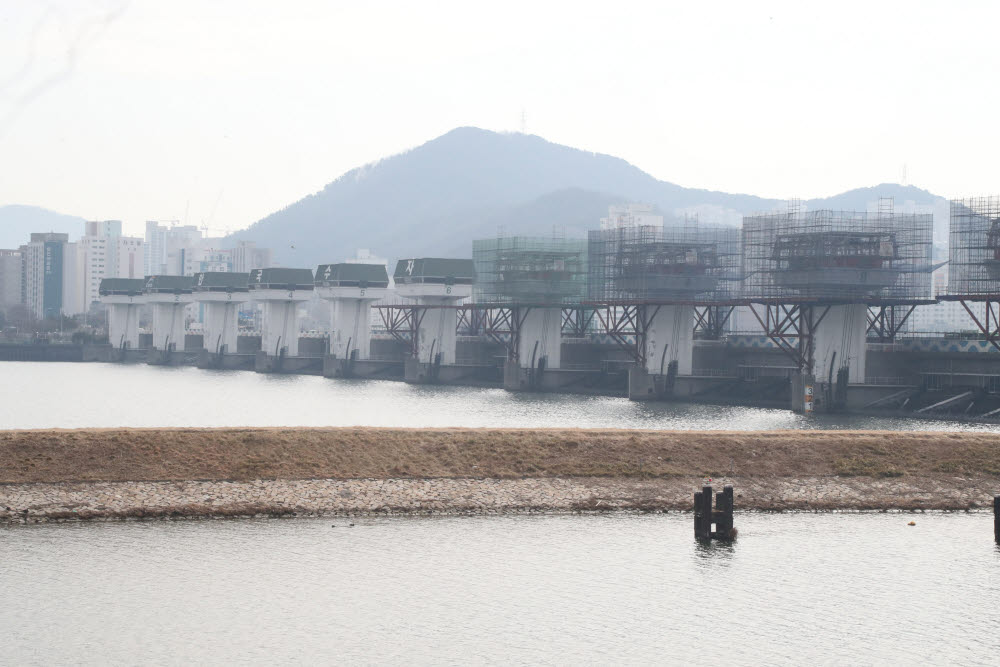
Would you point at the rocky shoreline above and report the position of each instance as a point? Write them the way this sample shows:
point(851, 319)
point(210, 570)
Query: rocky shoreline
point(88, 501)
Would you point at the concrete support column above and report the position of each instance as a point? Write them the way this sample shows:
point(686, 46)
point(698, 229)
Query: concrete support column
point(671, 329)
point(544, 327)
point(840, 339)
point(123, 325)
point(438, 331)
point(351, 327)
point(168, 325)
point(280, 329)
point(221, 326)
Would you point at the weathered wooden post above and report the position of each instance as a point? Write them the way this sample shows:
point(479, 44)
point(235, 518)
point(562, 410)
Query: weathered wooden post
point(697, 515)
point(703, 515)
point(724, 514)
point(996, 518)
point(721, 517)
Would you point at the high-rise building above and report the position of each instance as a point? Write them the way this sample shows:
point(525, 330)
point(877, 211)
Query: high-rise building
point(164, 248)
point(247, 257)
point(182, 250)
point(155, 249)
point(130, 257)
point(10, 278)
point(105, 253)
point(51, 267)
point(206, 256)
point(103, 228)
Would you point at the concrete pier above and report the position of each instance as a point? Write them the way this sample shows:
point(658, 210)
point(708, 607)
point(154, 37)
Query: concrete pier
point(437, 285)
point(281, 291)
point(540, 337)
point(670, 338)
point(221, 294)
point(123, 298)
point(351, 289)
point(839, 340)
point(168, 296)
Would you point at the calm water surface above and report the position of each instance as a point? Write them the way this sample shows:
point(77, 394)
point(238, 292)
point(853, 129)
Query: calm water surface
point(68, 395)
point(794, 589)
point(618, 589)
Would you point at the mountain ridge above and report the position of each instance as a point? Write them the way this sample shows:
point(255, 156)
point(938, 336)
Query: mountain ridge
point(435, 198)
point(18, 222)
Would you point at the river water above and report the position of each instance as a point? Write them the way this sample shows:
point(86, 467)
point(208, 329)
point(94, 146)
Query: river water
point(614, 589)
point(596, 589)
point(72, 395)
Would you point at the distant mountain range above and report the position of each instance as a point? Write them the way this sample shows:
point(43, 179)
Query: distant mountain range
point(435, 199)
point(18, 222)
point(470, 183)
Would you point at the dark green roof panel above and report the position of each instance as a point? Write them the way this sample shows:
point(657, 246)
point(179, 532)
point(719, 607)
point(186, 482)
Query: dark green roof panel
point(224, 281)
point(169, 283)
point(435, 270)
point(352, 275)
point(281, 278)
point(121, 286)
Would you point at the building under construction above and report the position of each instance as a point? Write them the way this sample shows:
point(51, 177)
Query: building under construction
point(664, 264)
point(974, 247)
point(530, 280)
point(837, 256)
point(529, 270)
point(974, 262)
point(655, 285)
point(815, 281)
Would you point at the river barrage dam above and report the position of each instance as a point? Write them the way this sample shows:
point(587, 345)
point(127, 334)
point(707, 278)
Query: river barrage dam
point(88, 474)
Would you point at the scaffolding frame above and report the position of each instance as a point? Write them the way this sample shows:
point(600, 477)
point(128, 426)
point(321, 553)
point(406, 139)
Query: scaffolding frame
point(500, 323)
point(710, 321)
point(974, 262)
point(886, 321)
point(530, 271)
point(792, 328)
point(797, 264)
point(974, 247)
point(685, 263)
point(838, 256)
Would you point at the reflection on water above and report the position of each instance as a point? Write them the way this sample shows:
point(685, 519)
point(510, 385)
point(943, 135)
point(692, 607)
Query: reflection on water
point(66, 395)
point(715, 551)
point(613, 589)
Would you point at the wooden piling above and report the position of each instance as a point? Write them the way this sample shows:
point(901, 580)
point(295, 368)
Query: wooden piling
point(721, 517)
point(697, 515)
point(724, 514)
point(996, 518)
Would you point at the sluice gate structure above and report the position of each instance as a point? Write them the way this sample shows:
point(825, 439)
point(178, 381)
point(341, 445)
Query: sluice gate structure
point(970, 386)
point(638, 309)
point(281, 291)
point(123, 298)
point(531, 282)
point(819, 281)
point(351, 290)
point(220, 295)
point(427, 324)
point(168, 296)
point(655, 288)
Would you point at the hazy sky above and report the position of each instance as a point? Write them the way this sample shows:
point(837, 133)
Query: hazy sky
point(226, 111)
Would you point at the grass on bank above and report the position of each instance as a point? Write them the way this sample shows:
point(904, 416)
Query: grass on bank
point(301, 453)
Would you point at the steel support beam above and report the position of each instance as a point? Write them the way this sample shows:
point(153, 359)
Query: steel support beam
point(792, 328)
point(989, 322)
point(885, 322)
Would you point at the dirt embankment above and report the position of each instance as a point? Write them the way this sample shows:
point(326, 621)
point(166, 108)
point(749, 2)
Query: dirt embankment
point(350, 453)
point(94, 473)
